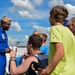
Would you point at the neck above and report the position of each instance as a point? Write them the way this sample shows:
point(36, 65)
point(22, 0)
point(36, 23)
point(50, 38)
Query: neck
point(43, 44)
point(36, 52)
point(58, 23)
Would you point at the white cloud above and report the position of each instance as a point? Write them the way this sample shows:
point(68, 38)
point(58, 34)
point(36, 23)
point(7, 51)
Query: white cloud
point(25, 40)
point(37, 2)
point(53, 3)
point(27, 8)
point(23, 5)
point(36, 15)
point(70, 8)
point(16, 26)
point(25, 13)
point(42, 29)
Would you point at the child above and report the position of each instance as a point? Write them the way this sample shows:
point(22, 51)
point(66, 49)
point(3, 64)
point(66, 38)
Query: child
point(44, 48)
point(62, 45)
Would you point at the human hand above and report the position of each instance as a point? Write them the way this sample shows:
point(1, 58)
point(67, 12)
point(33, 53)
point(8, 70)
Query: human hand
point(25, 56)
point(44, 71)
point(7, 50)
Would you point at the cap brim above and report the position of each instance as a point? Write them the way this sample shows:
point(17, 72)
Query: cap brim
point(68, 18)
point(65, 22)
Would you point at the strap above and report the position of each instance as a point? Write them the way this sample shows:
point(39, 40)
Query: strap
point(37, 65)
point(38, 58)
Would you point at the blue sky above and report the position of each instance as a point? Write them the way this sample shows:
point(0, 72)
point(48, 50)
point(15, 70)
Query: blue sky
point(30, 15)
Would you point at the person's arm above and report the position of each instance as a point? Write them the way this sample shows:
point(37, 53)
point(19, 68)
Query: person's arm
point(23, 67)
point(59, 53)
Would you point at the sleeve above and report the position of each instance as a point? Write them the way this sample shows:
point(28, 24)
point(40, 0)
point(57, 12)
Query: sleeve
point(55, 35)
point(2, 49)
point(3, 43)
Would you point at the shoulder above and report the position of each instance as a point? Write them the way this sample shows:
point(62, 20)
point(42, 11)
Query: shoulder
point(28, 61)
point(41, 56)
point(32, 58)
point(58, 28)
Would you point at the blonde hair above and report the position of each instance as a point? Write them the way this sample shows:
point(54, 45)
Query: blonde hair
point(36, 32)
point(71, 21)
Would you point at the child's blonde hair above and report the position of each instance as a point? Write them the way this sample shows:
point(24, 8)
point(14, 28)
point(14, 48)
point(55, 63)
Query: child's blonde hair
point(36, 32)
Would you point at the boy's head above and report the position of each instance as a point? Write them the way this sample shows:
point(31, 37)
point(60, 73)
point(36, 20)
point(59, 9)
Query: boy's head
point(35, 41)
point(58, 13)
point(43, 36)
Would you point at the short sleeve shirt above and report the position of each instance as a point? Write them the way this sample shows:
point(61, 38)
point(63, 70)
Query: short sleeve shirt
point(62, 34)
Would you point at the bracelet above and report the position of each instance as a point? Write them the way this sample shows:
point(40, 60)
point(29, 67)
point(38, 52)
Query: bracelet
point(12, 60)
point(12, 57)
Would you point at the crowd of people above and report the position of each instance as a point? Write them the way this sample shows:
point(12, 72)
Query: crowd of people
point(57, 59)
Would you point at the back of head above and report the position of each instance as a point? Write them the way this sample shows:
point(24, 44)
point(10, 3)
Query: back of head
point(43, 36)
point(36, 41)
point(59, 13)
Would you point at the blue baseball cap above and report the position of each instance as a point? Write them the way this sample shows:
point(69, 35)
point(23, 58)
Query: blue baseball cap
point(68, 18)
point(65, 22)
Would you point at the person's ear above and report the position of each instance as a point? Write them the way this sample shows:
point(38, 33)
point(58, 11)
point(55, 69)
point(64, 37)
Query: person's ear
point(30, 45)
